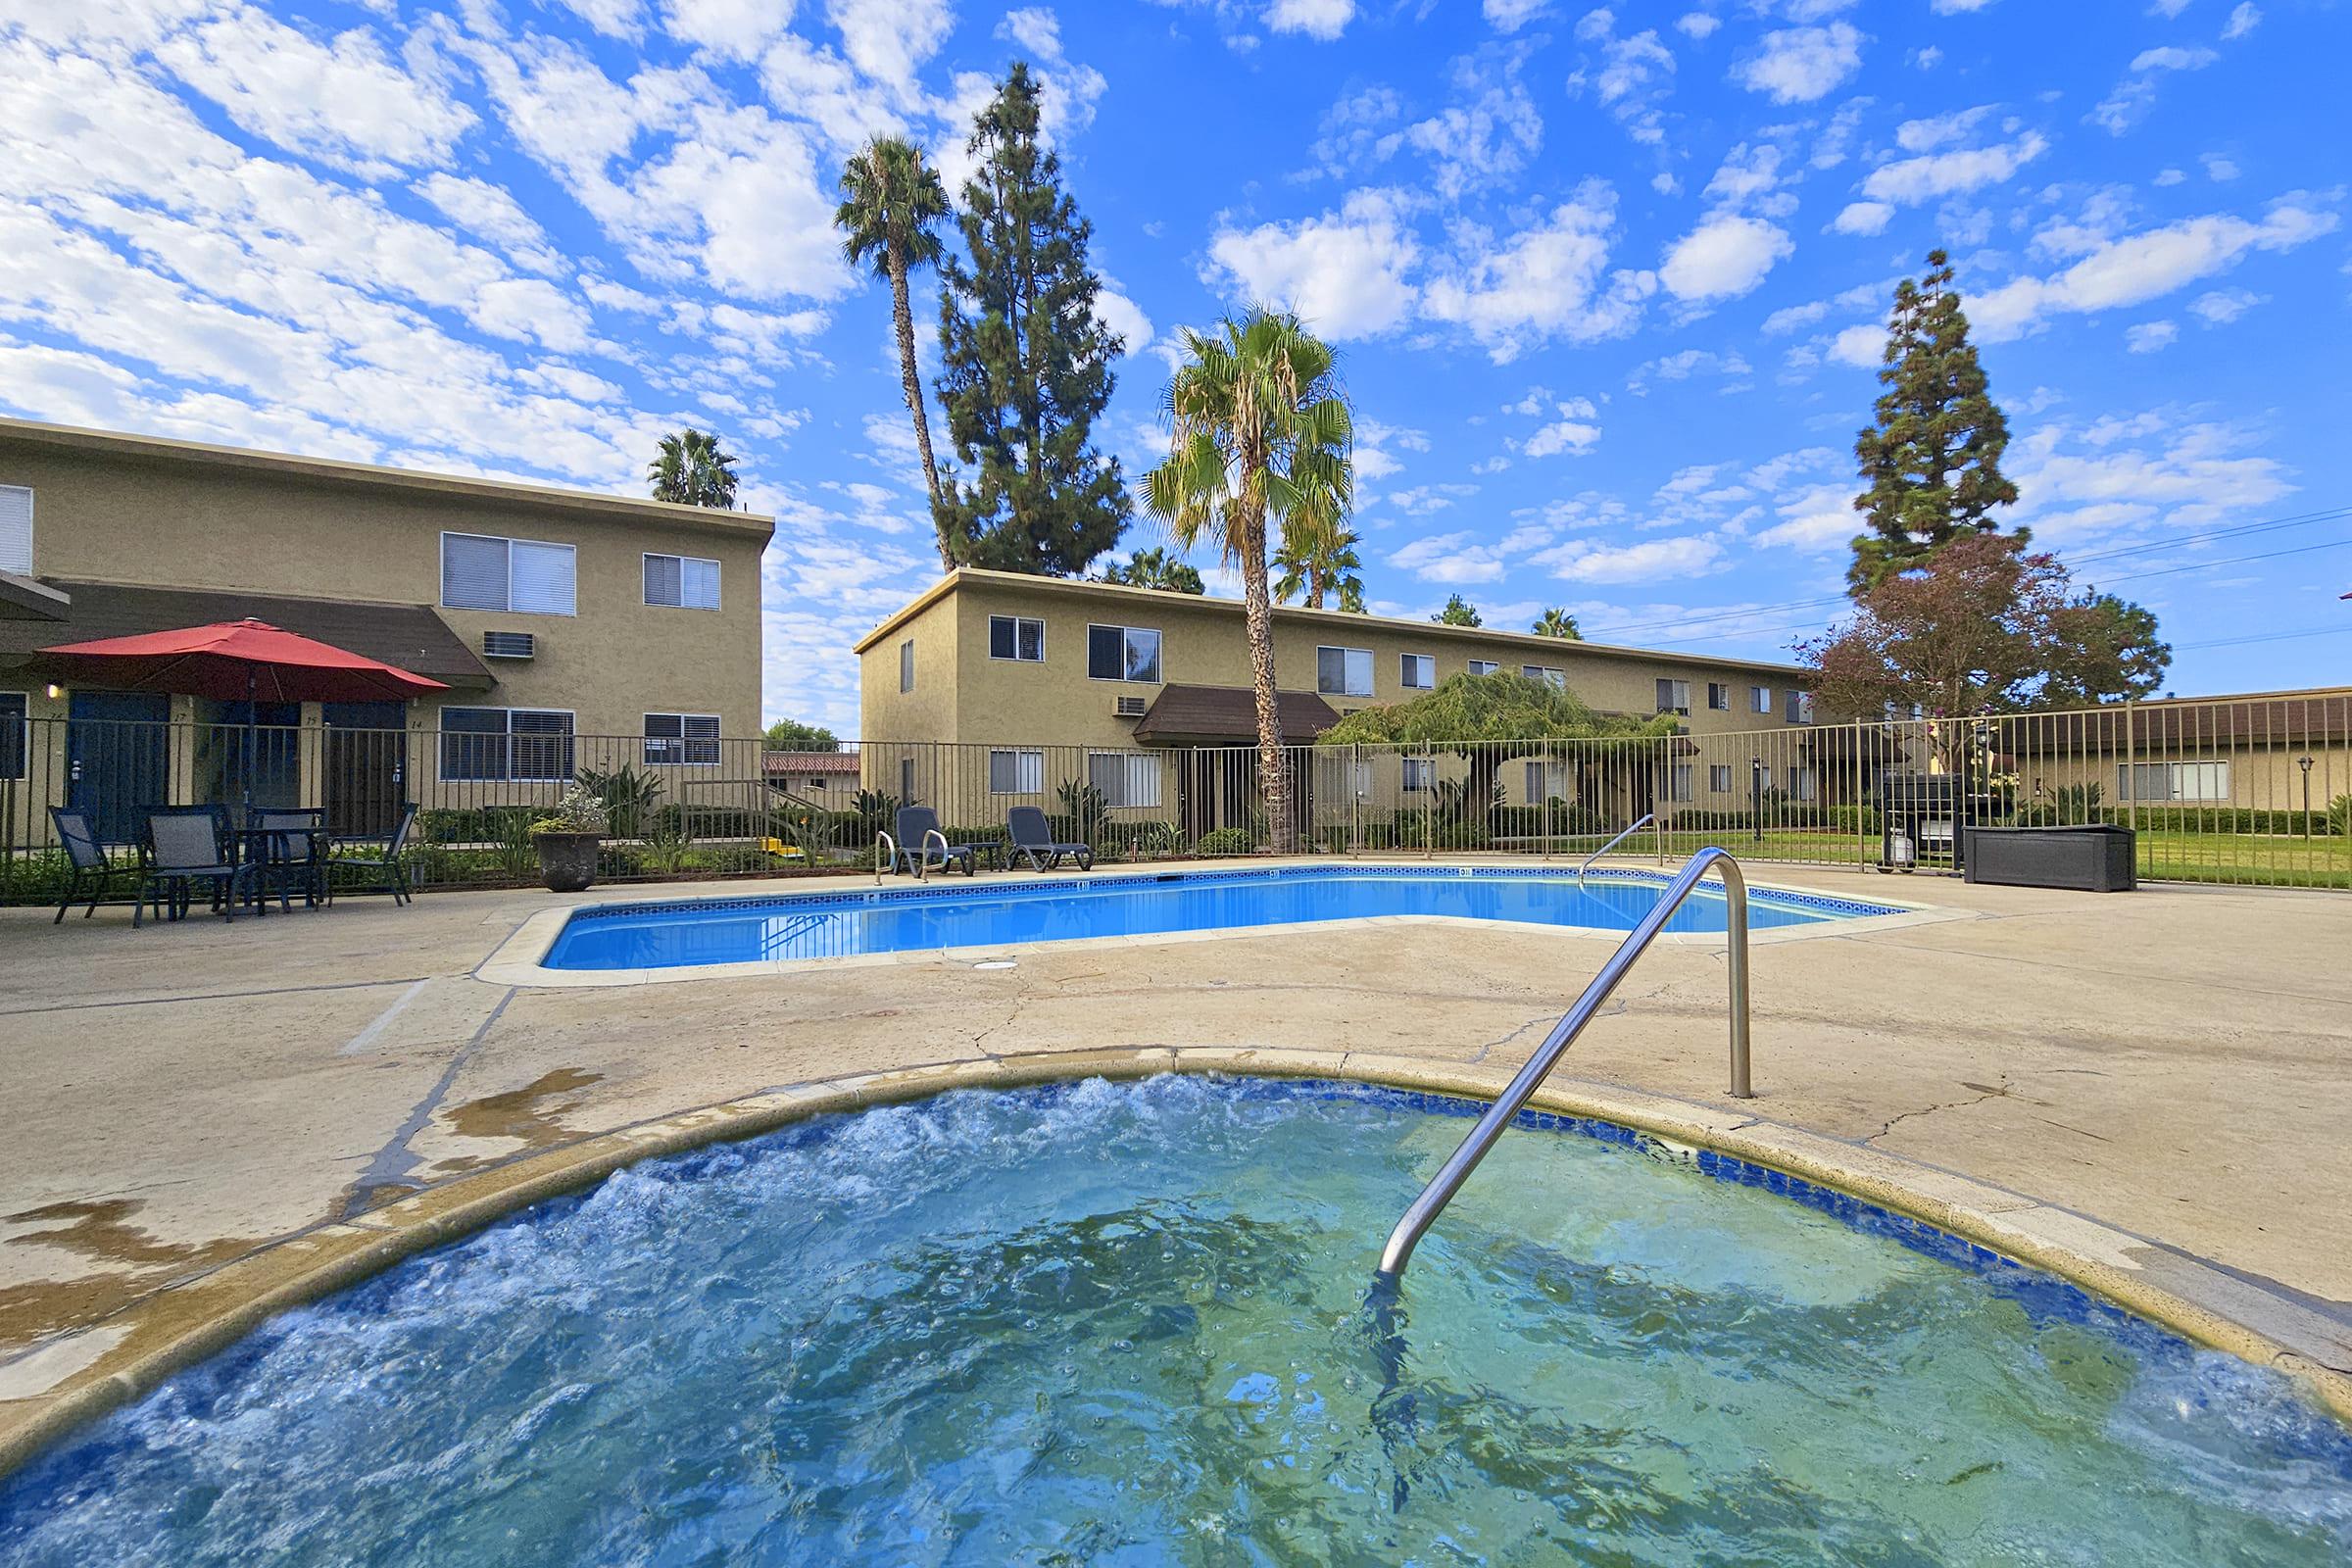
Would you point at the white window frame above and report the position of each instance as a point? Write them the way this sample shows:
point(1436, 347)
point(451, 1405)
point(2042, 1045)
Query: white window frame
point(1550, 674)
point(690, 750)
point(442, 732)
point(1798, 710)
point(1016, 656)
point(1759, 698)
point(1544, 772)
point(1424, 666)
point(1028, 770)
point(1719, 778)
point(1418, 774)
point(906, 665)
point(717, 584)
point(1483, 666)
point(23, 727)
point(1127, 647)
point(573, 607)
point(7, 562)
point(1718, 696)
point(1351, 659)
point(1802, 785)
point(1675, 698)
point(1678, 782)
point(1136, 768)
point(2175, 779)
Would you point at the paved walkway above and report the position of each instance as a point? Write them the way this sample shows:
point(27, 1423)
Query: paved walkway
point(2176, 1065)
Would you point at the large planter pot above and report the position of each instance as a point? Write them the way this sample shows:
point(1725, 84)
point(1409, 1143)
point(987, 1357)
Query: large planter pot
point(2094, 859)
point(567, 861)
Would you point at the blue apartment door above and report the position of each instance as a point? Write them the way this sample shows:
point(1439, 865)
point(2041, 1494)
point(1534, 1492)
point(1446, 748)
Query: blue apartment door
point(117, 759)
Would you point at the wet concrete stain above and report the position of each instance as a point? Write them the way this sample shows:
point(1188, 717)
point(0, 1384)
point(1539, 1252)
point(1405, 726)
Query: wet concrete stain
point(532, 1116)
point(97, 1229)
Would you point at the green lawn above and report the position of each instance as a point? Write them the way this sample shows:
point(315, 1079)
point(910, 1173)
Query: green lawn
point(2253, 860)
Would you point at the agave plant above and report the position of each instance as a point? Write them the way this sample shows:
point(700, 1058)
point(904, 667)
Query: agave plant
point(628, 796)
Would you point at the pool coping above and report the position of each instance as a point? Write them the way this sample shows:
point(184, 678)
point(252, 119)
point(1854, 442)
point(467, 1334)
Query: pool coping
point(522, 958)
point(63, 1383)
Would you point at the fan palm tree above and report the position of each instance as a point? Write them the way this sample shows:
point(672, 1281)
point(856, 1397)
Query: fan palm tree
point(1557, 622)
point(692, 470)
point(1319, 562)
point(1259, 430)
point(890, 201)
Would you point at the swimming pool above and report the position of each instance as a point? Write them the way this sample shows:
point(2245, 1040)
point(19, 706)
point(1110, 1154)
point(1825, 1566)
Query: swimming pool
point(924, 916)
point(1123, 1323)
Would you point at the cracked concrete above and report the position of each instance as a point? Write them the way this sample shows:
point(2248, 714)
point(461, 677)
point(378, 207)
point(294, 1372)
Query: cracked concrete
point(2174, 1064)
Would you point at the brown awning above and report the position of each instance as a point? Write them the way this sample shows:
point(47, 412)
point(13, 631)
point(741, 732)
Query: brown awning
point(1228, 715)
point(411, 636)
point(2156, 728)
point(27, 599)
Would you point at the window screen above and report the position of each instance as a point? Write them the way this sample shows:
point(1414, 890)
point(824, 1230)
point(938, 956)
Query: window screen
point(1016, 772)
point(16, 529)
point(540, 576)
point(1343, 672)
point(1125, 778)
point(1416, 671)
point(473, 572)
point(690, 739)
point(1016, 637)
point(541, 745)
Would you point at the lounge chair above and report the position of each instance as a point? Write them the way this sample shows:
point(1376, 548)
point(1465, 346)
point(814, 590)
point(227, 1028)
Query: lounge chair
point(186, 844)
point(916, 823)
point(381, 870)
point(90, 860)
point(1033, 840)
point(288, 848)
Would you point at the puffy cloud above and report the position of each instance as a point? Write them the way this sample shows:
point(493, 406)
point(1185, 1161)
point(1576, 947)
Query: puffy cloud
point(1125, 317)
point(2171, 57)
point(1344, 272)
point(2220, 307)
point(1630, 75)
point(1489, 135)
point(2242, 21)
point(1864, 347)
point(1544, 281)
point(1317, 19)
point(1911, 181)
point(1816, 518)
point(2135, 94)
point(1509, 16)
point(1449, 558)
point(1862, 218)
point(1802, 64)
point(1649, 561)
point(1573, 432)
point(2149, 336)
point(1723, 258)
point(1698, 25)
point(1927, 134)
point(2120, 473)
point(488, 210)
point(891, 39)
point(1683, 366)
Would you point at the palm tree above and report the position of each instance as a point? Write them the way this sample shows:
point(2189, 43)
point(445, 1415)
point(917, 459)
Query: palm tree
point(1557, 622)
point(1259, 430)
point(1319, 562)
point(890, 201)
point(692, 470)
point(1157, 569)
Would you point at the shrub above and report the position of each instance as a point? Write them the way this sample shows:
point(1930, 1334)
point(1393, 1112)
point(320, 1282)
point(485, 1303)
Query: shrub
point(2339, 817)
point(1140, 838)
point(580, 811)
point(1226, 841)
point(1851, 819)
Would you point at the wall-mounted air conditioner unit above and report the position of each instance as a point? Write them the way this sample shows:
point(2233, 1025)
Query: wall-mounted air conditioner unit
point(1129, 706)
point(508, 645)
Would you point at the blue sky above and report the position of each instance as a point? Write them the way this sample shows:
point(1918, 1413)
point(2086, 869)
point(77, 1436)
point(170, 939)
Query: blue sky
point(1606, 281)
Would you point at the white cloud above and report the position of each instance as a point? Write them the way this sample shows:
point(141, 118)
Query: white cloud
point(488, 210)
point(1125, 317)
point(2149, 336)
point(1862, 218)
point(1800, 65)
point(2220, 307)
point(891, 39)
point(1631, 76)
point(1449, 558)
point(1650, 560)
point(1509, 16)
point(1573, 432)
point(1685, 364)
point(2220, 171)
point(1950, 8)
point(1034, 29)
point(2242, 21)
point(1342, 273)
point(1927, 134)
point(1698, 25)
point(1864, 347)
point(2172, 56)
point(1545, 280)
point(1487, 136)
point(2135, 94)
point(1911, 181)
point(2116, 473)
point(1817, 520)
point(1723, 258)
point(2140, 267)
point(1317, 19)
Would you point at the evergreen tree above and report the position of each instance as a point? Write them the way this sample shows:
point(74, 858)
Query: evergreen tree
point(1459, 612)
point(1026, 359)
point(1931, 460)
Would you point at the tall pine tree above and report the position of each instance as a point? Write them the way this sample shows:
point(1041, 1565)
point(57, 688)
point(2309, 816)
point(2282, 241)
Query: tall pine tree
point(1932, 457)
point(1026, 359)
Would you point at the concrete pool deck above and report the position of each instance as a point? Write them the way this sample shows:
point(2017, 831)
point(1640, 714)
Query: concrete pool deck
point(207, 1122)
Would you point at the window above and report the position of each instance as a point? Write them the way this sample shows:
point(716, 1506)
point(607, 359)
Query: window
point(505, 743)
point(1016, 637)
point(2173, 781)
point(1800, 784)
point(1125, 778)
point(1719, 778)
point(1556, 679)
point(1343, 672)
point(1718, 696)
point(1759, 699)
point(1416, 672)
point(1799, 708)
point(1674, 697)
point(1016, 772)
point(15, 734)
point(1547, 781)
point(1483, 666)
point(1679, 789)
point(681, 582)
point(906, 665)
point(1122, 653)
point(16, 529)
point(519, 576)
point(1420, 774)
point(690, 739)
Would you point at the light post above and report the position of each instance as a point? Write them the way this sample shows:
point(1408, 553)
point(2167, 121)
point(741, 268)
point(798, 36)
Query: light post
point(2304, 763)
point(1755, 795)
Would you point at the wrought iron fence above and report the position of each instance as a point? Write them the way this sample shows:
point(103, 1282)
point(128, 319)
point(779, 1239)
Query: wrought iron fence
point(2253, 791)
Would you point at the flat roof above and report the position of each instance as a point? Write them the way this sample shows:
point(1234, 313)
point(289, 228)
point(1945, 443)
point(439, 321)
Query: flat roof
point(335, 470)
point(1122, 593)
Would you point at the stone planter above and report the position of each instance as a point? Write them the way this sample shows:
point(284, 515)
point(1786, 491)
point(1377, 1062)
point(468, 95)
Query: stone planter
point(2092, 859)
point(567, 861)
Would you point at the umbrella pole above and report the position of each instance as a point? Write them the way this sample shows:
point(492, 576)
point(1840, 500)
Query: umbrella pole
point(252, 712)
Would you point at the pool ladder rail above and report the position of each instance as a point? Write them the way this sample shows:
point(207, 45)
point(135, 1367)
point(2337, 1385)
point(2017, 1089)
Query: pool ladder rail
point(883, 861)
point(1637, 826)
point(922, 860)
point(1424, 1209)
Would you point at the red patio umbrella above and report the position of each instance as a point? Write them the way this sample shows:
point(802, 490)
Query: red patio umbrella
point(234, 661)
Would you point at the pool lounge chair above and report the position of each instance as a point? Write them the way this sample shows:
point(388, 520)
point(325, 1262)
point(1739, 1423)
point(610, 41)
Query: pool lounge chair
point(1033, 840)
point(915, 825)
point(187, 845)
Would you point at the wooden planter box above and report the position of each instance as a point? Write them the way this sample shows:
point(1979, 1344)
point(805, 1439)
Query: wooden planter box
point(2098, 859)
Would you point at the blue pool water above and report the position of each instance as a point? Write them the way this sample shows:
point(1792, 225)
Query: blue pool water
point(941, 914)
point(1124, 1324)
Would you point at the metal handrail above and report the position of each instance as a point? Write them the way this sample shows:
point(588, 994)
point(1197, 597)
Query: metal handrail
point(880, 839)
point(1434, 1197)
point(1613, 844)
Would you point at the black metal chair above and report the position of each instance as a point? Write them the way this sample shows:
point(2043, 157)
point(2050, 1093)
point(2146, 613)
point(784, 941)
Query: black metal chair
point(187, 845)
point(287, 848)
point(90, 860)
point(384, 865)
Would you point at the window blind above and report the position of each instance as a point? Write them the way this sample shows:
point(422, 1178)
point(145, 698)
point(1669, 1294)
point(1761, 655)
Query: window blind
point(473, 571)
point(16, 529)
point(541, 578)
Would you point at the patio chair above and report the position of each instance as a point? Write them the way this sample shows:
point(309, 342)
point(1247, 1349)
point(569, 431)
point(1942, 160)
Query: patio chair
point(187, 845)
point(382, 871)
point(915, 824)
point(1033, 839)
point(90, 860)
point(288, 850)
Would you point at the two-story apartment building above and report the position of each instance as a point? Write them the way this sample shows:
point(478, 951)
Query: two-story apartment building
point(552, 615)
point(1030, 666)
